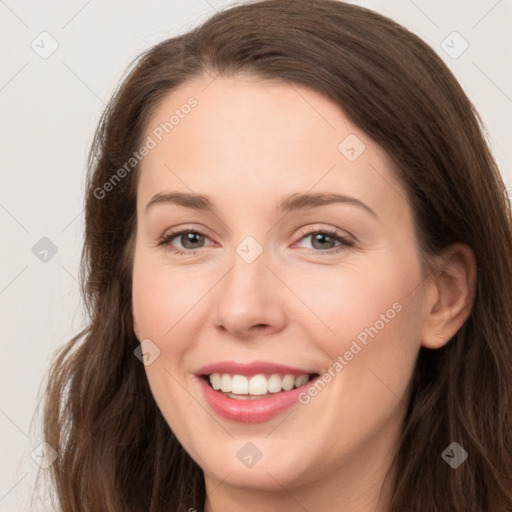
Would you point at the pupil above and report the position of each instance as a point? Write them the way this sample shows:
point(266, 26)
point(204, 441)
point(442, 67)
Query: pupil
point(189, 237)
point(320, 236)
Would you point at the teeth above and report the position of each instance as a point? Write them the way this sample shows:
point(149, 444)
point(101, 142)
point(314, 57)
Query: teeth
point(288, 382)
point(257, 384)
point(215, 381)
point(275, 384)
point(239, 384)
point(301, 380)
point(225, 383)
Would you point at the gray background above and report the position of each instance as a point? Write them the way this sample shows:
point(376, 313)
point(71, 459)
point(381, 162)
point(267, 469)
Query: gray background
point(50, 105)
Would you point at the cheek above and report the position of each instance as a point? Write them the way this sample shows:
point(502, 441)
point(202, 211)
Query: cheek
point(371, 319)
point(359, 297)
point(162, 298)
point(162, 302)
point(375, 314)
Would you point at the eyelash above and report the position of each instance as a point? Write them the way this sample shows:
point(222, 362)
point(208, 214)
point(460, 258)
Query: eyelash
point(344, 242)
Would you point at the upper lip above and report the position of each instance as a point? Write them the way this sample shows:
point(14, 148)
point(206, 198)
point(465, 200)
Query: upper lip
point(249, 369)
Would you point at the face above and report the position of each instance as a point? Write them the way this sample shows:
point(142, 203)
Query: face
point(264, 289)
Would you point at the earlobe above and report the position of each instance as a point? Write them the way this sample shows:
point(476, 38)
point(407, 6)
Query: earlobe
point(454, 286)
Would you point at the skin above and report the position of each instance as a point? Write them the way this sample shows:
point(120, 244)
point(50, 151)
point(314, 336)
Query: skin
point(248, 144)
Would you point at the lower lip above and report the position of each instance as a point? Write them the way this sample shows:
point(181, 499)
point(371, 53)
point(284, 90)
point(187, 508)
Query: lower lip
point(251, 411)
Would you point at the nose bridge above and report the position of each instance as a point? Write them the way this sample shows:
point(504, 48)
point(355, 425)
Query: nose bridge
point(247, 295)
point(248, 279)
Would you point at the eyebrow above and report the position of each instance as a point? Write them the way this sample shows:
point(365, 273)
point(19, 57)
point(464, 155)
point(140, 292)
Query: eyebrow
point(293, 203)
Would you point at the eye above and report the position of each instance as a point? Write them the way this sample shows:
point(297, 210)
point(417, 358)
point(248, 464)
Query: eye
point(190, 240)
point(323, 241)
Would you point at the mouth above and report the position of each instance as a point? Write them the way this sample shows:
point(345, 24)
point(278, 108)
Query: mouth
point(256, 387)
point(252, 392)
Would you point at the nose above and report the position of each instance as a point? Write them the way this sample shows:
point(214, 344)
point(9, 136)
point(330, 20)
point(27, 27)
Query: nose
point(249, 300)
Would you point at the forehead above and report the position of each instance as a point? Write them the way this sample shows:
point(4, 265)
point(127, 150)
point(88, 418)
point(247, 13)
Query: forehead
point(249, 139)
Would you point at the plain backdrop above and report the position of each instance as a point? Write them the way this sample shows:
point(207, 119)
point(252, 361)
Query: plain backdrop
point(60, 63)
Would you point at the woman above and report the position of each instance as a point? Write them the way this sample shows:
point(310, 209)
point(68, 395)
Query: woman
point(228, 366)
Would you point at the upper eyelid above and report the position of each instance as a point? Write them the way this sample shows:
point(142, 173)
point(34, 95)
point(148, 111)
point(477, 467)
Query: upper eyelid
point(302, 230)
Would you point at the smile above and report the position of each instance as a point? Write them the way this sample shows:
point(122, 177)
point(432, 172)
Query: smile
point(256, 387)
point(254, 392)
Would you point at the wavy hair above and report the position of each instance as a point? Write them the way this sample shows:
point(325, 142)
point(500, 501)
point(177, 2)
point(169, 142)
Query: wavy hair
point(116, 451)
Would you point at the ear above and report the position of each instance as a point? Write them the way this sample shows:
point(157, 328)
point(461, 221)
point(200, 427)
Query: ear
point(451, 295)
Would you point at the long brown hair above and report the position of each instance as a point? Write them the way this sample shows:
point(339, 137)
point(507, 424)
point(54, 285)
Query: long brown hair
point(116, 451)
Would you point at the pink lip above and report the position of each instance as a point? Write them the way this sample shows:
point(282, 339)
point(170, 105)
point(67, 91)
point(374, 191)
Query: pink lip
point(251, 411)
point(250, 369)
